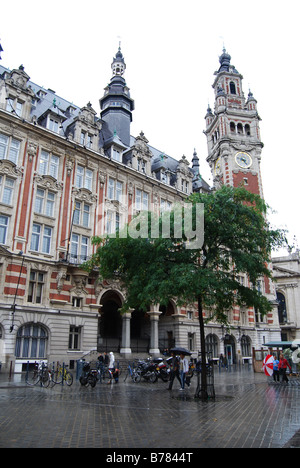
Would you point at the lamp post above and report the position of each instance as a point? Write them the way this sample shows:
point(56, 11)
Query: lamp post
point(20, 254)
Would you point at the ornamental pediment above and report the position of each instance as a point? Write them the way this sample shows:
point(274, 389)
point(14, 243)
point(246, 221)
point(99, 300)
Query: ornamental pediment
point(48, 182)
point(9, 168)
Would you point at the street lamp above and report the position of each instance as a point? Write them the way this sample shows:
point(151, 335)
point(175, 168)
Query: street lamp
point(20, 254)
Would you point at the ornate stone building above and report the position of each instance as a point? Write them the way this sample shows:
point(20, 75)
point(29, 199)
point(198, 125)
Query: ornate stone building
point(66, 175)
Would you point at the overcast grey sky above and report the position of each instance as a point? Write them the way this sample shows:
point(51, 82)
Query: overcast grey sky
point(171, 49)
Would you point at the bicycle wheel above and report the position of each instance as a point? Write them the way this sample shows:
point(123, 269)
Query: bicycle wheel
point(136, 377)
point(45, 378)
point(57, 376)
point(33, 377)
point(68, 378)
point(107, 375)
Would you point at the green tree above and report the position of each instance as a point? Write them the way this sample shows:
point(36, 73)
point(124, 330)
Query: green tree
point(154, 269)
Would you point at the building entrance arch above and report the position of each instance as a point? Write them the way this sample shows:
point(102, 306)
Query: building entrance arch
point(110, 322)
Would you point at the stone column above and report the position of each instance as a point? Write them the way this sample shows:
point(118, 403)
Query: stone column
point(154, 314)
point(125, 345)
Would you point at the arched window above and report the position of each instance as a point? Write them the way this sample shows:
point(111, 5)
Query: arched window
point(247, 130)
point(212, 345)
point(240, 129)
point(232, 87)
point(246, 346)
point(282, 312)
point(31, 341)
point(232, 127)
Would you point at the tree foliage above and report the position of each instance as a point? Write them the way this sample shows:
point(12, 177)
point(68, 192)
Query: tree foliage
point(237, 241)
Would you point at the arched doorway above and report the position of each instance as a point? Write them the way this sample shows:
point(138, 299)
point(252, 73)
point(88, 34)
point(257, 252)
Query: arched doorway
point(229, 348)
point(110, 322)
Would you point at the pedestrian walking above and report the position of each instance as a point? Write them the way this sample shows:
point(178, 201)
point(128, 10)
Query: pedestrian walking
point(276, 369)
point(282, 366)
point(174, 371)
point(183, 368)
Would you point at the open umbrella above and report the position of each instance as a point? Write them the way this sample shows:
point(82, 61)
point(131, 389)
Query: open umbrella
point(181, 351)
point(268, 365)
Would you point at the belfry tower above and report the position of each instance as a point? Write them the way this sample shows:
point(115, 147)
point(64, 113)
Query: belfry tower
point(232, 131)
point(116, 104)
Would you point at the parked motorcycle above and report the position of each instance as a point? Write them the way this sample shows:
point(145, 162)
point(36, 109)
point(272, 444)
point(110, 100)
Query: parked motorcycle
point(147, 370)
point(162, 370)
point(88, 376)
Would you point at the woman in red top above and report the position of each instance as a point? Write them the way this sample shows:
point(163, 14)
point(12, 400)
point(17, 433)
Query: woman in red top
point(283, 365)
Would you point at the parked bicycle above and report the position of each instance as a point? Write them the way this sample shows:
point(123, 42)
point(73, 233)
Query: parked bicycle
point(39, 374)
point(133, 373)
point(61, 374)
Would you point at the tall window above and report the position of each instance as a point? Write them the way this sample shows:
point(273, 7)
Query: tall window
point(9, 148)
point(282, 312)
point(79, 248)
point(74, 337)
point(48, 164)
point(115, 190)
point(246, 346)
point(36, 285)
point(232, 87)
point(142, 200)
point(31, 341)
point(6, 189)
point(82, 214)
point(41, 238)
point(44, 202)
point(84, 178)
point(3, 228)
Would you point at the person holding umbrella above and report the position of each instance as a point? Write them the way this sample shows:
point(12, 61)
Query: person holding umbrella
point(174, 371)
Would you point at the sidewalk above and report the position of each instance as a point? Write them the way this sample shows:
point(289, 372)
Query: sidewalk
point(247, 412)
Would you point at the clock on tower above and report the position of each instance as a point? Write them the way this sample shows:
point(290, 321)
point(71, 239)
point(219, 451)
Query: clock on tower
point(232, 131)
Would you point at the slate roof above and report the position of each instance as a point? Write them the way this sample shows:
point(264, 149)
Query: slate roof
point(48, 101)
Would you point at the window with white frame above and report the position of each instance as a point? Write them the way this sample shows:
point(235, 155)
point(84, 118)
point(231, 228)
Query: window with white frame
point(9, 148)
point(48, 164)
point(44, 202)
point(75, 334)
point(41, 238)
point(79, 248)
point(6, 189)
point(3, 228)
point(86, 139)
point(84, 178)
point(81, 214)
point(14, 105)
point(53, 125)
point(115, 189)
point(116, 155)
point(165, 205)
point(141, 200)
point(113, 222)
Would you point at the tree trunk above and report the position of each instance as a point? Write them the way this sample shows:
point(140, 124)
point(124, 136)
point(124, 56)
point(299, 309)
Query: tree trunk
point(201, 391)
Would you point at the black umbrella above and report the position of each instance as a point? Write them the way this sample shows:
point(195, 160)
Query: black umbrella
point(181, 351)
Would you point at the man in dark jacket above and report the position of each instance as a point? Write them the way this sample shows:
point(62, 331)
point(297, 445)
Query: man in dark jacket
point(174, 371)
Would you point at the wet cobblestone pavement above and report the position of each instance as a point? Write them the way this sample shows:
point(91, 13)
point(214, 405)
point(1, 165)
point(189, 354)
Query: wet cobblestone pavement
point(248, 412)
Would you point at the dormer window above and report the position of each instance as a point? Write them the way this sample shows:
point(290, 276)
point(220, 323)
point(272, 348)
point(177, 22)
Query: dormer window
point(116, 155)
point(53, 125)
point(15, 106)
